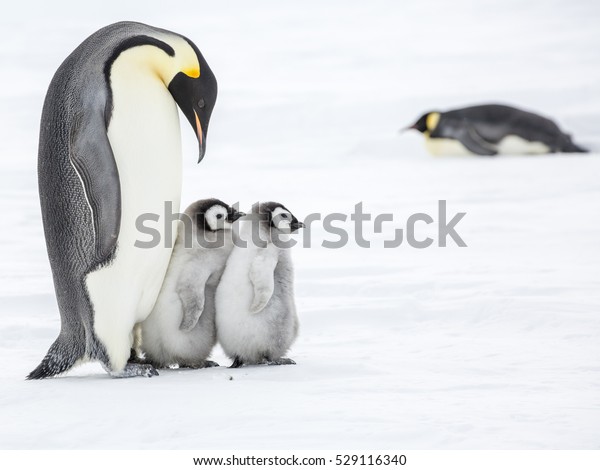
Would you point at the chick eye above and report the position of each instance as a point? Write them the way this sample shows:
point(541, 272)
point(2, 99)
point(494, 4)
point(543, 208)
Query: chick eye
point(285, 216)
point(201, 103)
point(219, 216)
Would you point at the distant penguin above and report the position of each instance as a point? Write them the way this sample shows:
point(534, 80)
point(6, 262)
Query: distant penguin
point(181, 328)
point(110, 152)
point(490, 130)
point(256, 311)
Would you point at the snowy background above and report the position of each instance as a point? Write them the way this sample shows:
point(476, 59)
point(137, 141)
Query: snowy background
point(492, 346)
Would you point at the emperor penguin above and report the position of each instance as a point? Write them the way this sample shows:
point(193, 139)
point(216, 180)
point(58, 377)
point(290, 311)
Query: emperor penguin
point(492, 129)
point(110, 152)
point(256, 311)
point(181, 327)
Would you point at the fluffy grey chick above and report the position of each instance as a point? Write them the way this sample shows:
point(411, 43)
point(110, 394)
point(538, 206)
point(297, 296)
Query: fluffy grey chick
point(181, 327)
point(256, 312)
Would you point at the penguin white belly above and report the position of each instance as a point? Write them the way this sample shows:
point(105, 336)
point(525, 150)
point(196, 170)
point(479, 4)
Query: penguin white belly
point(514, 145)
point(446, 147)
point(145, 138)
point(239, 332)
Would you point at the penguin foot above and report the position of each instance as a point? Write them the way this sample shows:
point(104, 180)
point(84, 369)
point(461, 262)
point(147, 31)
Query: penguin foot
point(135, 370)
point(135, 359)
point(237, 362)
point(282, 361)
point(203, 365)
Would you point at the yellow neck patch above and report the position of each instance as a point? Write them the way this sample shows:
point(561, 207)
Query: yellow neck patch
point(432, 121)
point(193, 72)
point(184, 60)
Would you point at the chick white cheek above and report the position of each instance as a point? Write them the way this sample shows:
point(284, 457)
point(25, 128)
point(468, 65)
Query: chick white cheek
point(216, 217)
point(281, 219)
point(283, 225)
point(220, 223)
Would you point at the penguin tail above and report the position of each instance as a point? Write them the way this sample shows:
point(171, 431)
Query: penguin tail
point(571, 147)
point(62, 355)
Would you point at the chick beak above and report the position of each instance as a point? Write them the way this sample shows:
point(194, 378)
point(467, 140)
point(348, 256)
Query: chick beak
point(296, 225)
point(235, 215)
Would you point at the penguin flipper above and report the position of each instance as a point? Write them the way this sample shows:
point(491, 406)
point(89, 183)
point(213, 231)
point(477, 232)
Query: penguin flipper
point(92, 156)
point(193, 305)
point(191, 294)
point(263, 281)
point(470, 138)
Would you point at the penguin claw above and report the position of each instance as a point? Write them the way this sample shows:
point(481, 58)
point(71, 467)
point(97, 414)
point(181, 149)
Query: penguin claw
point(237, 363)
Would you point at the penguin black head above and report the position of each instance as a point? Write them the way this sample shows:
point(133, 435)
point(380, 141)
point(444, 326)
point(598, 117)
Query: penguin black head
point(278, 217)
point(421, 124)
point(180, 66)
point(426, 123)
point(195, 92)
point(213, 215)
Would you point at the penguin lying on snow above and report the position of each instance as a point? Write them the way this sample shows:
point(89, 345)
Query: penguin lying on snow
point(181, 328)
point(110, 151)
point(256, 312)
point(491, 129)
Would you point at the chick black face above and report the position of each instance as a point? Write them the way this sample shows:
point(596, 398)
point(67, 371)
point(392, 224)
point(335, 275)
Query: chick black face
point(280, 218)
point(214, 215)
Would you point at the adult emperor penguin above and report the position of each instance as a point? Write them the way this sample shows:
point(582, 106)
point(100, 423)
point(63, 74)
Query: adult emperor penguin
point(110, 151)
point(492, 129)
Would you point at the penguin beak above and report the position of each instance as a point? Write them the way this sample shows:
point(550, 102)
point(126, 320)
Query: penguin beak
point(407, 128)
point(196, 98)
point(235, 215)
point(201, 135)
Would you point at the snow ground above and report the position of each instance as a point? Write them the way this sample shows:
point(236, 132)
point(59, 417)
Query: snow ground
point(491, 346)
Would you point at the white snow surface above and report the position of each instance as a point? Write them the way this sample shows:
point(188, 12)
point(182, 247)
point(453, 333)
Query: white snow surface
point(492, 346)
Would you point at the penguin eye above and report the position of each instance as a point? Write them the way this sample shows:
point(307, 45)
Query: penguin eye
point(285, 216)
point(201, 103)
point(219, 216)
